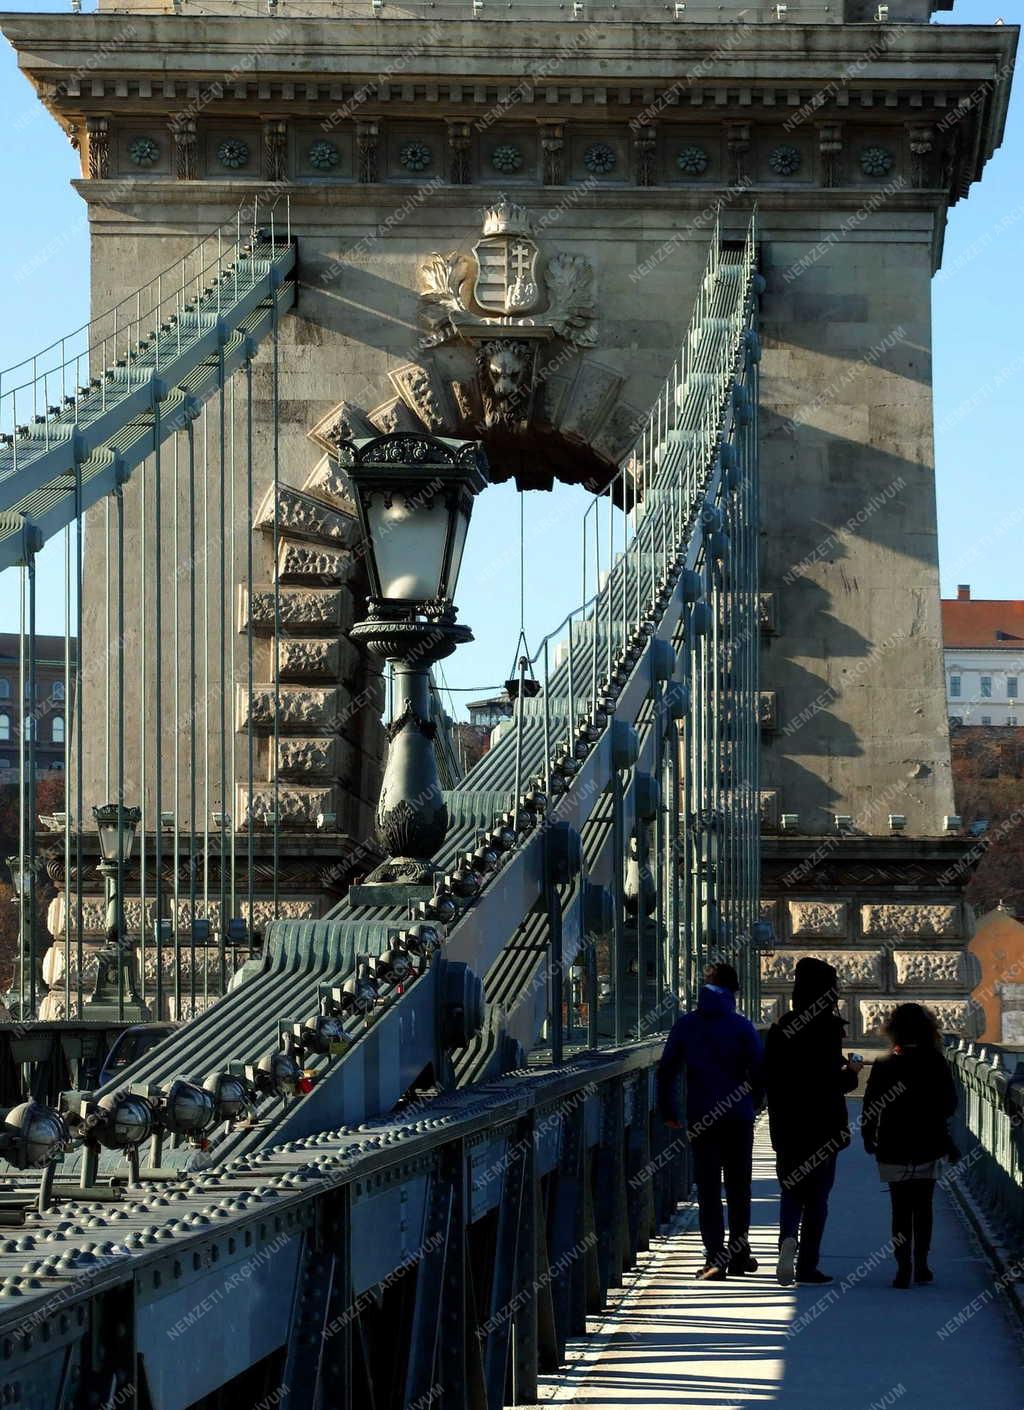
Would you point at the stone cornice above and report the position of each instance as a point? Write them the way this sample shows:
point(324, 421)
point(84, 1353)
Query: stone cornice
point(941, 90)
point(478, 52)
point(155, 67)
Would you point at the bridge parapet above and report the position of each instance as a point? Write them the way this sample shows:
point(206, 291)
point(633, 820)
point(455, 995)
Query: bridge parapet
point(989, 1132)
point(461, 1237)
point(691, 12)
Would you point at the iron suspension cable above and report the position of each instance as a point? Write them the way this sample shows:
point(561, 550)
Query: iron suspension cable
point(193, 866)
point(222, 643)
point(119, 910)
point(250, 741)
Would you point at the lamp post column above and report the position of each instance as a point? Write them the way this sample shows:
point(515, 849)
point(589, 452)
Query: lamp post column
point(115, 992)
point(412, 818)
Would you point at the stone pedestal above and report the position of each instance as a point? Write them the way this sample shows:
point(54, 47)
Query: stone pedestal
point(888, 913)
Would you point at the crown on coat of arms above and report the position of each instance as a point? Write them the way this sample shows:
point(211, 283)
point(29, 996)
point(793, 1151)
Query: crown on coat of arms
point(506, 218)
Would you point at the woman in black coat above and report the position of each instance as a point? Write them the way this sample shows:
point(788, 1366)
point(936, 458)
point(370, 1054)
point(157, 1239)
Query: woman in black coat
point(909, 1099)
point(806, 1081)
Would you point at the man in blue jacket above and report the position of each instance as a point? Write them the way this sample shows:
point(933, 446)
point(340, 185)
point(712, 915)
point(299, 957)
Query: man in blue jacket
point(720, 1052)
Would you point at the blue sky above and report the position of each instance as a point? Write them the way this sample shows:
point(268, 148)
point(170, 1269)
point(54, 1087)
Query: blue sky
point(978, 357)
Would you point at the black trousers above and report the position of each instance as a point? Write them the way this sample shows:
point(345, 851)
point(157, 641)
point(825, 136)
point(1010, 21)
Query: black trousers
point(803, 1208)
point(723, 1152)
point(912, 1219)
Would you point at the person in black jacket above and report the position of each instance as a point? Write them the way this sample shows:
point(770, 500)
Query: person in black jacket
point(720, 1052)
point(909, 1099)
point(806, 1081)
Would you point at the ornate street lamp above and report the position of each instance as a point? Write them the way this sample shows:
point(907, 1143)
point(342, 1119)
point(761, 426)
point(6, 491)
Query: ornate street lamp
point(116, 988)
point(414, 496)
point(23, 991)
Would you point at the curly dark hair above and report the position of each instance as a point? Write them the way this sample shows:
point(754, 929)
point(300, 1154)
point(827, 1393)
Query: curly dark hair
point(911, 1025)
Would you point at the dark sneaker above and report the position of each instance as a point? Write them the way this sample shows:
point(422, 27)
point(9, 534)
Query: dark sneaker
point(785, 1269)
point(711, 1273)
point(814, 1276)
point(742, 1263)
point(902, 1278)
point(923, 1274)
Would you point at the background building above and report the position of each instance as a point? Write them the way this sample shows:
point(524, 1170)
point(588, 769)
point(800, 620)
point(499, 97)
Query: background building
point(983, 641)
point(997, 952)
point(46, 714)
point(475, 738)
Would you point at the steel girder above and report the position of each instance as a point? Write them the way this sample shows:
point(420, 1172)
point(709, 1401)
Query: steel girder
point(441, 1257)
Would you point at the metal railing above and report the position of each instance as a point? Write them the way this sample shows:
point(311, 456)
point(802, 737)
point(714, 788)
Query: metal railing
point(503, 1217)
point(989, 1132)
point(647, 694)
point(142, 421)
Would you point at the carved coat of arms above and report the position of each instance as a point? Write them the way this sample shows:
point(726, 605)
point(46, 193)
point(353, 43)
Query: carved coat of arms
point(504, 308)
point(504, 292)
point(506, 258)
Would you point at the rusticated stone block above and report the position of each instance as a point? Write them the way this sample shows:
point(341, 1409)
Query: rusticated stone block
point(329, 482)
point(317, 609)
point(768, 709)
point(204, 910)
point(289, 908)
point(771, 1008)
point(910, 919)
point(924, 967)
point(857, 969)
point(301, 656)
point(303, 516)
point(207, 962)
point(94, 914)
point(769, 808)
point(327, 757)
point(292, 908)
point(298, 807)
point(306, 560)
point(825, 918)
point(344, 422)
point(953, 1015)
point(618, 433)
point(308, 656)
point(300, 707)
point(767, 612)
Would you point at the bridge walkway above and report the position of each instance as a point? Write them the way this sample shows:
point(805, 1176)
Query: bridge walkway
point(858, 1344)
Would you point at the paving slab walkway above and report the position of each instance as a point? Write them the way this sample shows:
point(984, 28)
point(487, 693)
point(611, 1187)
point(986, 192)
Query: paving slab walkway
point(859, 1344)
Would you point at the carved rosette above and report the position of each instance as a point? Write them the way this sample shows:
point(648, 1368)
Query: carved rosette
point(921, 140)
point(367, 150)
point(275, 150)
point(552, 145)
point(98, 148)
point(830, 145)
point(738, 138)
point(645, 142)
point(458, 153)
point(183, 135)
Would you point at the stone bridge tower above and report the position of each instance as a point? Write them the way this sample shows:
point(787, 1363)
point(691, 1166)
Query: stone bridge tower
point(609, 140)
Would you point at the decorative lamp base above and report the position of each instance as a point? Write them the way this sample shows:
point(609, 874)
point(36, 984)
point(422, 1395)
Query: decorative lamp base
point(395, 882)
point(105, 1009)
